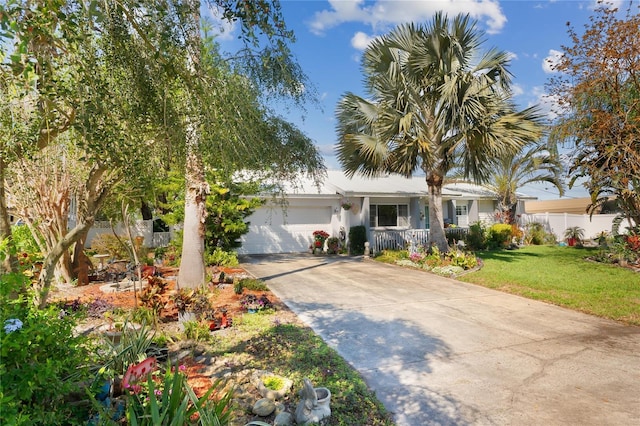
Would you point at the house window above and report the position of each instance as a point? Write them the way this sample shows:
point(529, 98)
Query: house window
point(388, 215)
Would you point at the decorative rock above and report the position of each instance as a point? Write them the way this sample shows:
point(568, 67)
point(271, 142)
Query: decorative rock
point(263, 407)
point(180, 356)
point(283, 419)
point(280, 407)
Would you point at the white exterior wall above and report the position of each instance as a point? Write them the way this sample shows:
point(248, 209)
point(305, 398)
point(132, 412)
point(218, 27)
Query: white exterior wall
point(486, 210)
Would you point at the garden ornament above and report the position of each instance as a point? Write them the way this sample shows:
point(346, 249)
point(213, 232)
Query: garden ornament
point(314, 404)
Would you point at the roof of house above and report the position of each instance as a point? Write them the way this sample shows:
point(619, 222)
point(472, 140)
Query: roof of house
point(337, 183)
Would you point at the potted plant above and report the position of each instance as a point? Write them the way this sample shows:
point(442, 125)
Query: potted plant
point(319, 238)
point(346, 204)
point(333, 245)
point(574, 235)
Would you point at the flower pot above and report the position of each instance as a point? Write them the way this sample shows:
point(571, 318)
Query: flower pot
point(114, 336)
point(258, 380)
point(571, 242)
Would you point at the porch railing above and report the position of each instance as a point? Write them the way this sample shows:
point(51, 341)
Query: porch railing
point(401, 239)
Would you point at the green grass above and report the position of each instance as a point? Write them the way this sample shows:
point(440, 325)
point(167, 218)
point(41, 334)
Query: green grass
point(562, 276)
point(295, 351)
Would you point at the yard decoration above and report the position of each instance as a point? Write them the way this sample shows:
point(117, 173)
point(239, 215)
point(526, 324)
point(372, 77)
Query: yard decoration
point(271, 385)
point(313, 405)
point(137, 372)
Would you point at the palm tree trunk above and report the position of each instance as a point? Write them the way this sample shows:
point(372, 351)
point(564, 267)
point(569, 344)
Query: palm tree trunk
point(437, 236)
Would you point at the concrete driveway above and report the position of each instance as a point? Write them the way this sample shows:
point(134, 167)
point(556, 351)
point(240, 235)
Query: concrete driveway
point(441, 352)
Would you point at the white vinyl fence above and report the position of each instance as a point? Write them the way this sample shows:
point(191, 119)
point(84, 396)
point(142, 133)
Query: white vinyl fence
point(559, 222)
point(139, 228)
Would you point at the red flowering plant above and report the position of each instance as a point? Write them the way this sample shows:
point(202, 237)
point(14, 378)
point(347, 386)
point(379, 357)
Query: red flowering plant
point(319, 237)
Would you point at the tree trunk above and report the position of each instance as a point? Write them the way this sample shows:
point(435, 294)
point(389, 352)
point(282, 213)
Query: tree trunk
point(192, 268)
point(10, 263)
point(49, 265)
point(94, 194)
point(437, 235)
point(81, 263)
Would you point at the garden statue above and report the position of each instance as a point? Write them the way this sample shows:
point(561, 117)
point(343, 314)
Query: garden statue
point(314, 404)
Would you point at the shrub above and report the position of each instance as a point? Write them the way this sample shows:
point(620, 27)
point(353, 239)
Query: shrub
point(534, 234)
point(220, 257)
point(333, 245)
point(23, 240)
point(253, 284)
point(462, 259)
point(357, 238)
point(499, 235)
point(476, 238)
point(197, 330)
point(40, 358)
point(109, 243)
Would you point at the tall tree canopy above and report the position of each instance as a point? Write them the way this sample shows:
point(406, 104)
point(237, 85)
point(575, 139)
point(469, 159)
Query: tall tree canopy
point(140, 81)
point(434, 102)
point(598, 89)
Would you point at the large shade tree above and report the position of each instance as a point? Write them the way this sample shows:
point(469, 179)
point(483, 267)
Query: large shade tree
point(224, 122)
point(598, 89)
point(434, 101)
point(133, 79)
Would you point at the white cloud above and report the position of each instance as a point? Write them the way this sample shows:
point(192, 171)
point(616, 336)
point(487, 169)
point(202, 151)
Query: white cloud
point(384, 13)
point(361, 40)
point(517, 90)
point(609, 4)
point(552, 59)
point(222, 28)
point(549, 104)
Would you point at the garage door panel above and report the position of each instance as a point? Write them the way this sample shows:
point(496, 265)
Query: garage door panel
point(269, 233)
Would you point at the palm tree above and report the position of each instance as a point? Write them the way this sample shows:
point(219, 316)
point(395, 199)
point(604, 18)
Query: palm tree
point(538, 163)
point(434, 103)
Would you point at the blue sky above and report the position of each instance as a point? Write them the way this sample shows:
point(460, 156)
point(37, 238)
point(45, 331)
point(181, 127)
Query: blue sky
point(331, 36)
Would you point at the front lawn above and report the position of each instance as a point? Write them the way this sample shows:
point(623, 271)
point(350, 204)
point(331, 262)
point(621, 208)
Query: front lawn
point(562, 276)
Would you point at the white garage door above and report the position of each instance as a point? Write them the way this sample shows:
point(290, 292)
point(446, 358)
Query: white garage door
point(272, 231)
